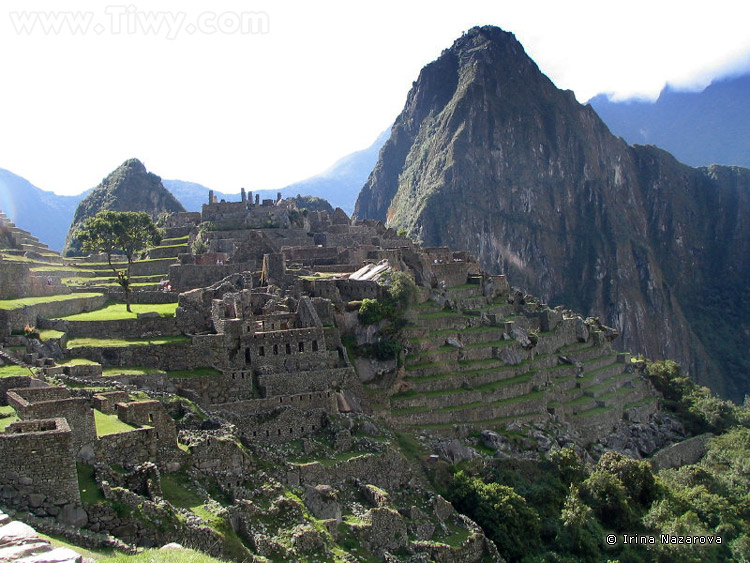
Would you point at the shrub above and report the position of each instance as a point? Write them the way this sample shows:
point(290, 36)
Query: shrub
point(373, 311)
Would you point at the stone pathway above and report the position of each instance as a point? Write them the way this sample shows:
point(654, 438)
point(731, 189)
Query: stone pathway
point(19, 543)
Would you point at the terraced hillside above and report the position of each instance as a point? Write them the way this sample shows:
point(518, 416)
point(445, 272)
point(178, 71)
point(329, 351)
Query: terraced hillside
point(479, 363)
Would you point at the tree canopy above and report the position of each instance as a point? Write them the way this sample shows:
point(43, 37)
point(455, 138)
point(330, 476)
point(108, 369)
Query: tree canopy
point(115, 232)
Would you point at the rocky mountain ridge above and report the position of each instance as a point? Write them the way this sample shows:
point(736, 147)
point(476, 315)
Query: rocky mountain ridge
point(489, 156)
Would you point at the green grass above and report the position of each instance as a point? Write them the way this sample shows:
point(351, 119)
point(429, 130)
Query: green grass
point(117, 311)
point(162, 556)
point(77, 362)
point(197, 372)
point(129, 370)
point(90, 492)
point(109, 424)
point(174, 240)
point(49, 334)
point(88, 553)
point(13, 370)
point(178, 490)
point(11, 304)
point(127, 342)
point(7, 417)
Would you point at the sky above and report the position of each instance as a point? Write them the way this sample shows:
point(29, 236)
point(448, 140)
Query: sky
point(260, 94)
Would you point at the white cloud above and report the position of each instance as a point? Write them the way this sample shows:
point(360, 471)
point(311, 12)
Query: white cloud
point(260, 110)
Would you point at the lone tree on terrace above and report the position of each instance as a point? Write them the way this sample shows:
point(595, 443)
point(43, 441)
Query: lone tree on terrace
point(119, 232)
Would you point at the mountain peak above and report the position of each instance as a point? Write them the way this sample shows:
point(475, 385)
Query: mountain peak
point(130, 187)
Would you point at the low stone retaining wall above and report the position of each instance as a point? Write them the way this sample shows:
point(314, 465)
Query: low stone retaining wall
point(16, 319)
point(123, 328)
point(127, 448)
point(166, 356)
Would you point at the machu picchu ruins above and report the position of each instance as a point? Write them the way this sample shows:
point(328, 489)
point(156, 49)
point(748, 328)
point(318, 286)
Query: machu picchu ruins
point(247, 378)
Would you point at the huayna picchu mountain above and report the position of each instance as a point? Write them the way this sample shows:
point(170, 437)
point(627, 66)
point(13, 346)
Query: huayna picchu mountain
point(130, 187)
point(489, 156)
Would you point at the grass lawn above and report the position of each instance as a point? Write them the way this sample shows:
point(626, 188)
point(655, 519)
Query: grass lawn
point(7, 417)
point(12, 370)
point(163, 556)
point(49, 334)
point(90, 492)
point(77, 362)
point(10, 304)
point(117, 311)
point(129, 370)
point(109, 424)
point(88, 553)
point(126, 342)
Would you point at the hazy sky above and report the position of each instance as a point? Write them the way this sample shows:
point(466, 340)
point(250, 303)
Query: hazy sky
point(262, 94)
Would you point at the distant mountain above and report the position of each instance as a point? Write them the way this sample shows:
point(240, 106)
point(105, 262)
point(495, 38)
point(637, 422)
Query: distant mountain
point(130, 187)
point(699, 128)
point(44, 214)
point(488, 156)
point(339, 184)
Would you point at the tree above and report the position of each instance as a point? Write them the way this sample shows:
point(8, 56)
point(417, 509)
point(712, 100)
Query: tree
point(115, 232)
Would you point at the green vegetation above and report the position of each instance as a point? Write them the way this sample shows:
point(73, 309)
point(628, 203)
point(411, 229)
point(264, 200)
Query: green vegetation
point(125, 232)
point(50, 334)
point(90, 492)
point(110, 424)
point(118, 311)
point(128, 370)
point(7, 417)
point(126, 342)
point(562, 509)
point(13, 370)
point(162, 556)
point(11, 304)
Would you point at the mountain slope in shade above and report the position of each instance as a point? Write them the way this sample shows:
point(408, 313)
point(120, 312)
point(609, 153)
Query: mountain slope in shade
point(44, 214)
point(130, 187)
point(699, 128)
point(490, 157)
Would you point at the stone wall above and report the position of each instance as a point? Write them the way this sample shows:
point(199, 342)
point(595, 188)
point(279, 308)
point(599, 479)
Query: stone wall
point(356, 290)
point(184, 277)
point(325, 400)
point(165, 356)
point(275, 384)
point(123, 328)
point(388, 470)
point(37, 466)
point(15, 382)
point(35, 403)
point(16, 319)
point(150, 413)
point(281, 424)
point(151, 267)
point(17, 280)
point(127, 449)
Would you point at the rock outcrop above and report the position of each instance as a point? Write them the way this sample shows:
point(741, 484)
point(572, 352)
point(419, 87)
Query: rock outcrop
point(490, 157)
point(129, 188)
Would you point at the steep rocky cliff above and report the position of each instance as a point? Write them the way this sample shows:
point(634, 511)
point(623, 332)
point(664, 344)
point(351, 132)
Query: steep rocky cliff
point(130, 187)
point(489, 156)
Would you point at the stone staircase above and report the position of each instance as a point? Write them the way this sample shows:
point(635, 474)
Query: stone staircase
point(464, 367)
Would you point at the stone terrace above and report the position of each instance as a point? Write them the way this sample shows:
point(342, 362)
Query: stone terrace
point(488, 362)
